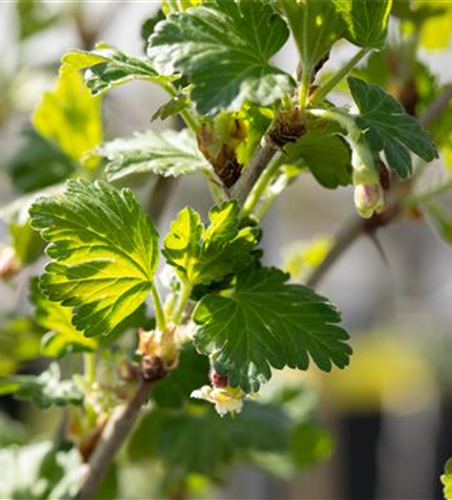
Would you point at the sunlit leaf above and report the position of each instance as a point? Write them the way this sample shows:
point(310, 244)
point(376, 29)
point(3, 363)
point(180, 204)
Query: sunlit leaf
point(104, 253)
point(106, 67)
point(316, 25)
point(70, 116)
point(61, 337)
point(203, 254)
point(366, 21)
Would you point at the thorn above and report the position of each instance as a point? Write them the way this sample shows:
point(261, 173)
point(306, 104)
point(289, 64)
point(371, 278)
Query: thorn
point(379, 247)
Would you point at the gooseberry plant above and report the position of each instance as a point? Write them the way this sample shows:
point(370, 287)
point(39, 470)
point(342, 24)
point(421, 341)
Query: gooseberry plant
point(194, 314)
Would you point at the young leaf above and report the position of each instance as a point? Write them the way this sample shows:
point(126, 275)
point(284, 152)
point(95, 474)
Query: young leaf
point(224, 48)
point(168, 153)
point(69, 116)
point(266, 323)
point(107, 67)
point(446, 479)
point(62, 338)
point(327, 156)
point(104, 253)
point(202, 255)
point(366, 20)
point(316, 26)
point(387, 127)
point(44, 390)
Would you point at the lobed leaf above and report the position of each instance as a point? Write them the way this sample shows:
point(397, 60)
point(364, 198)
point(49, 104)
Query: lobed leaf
point(168, 153)
point(104, 253)
point(387, 127)
point(61, 337)
point(202, 255)
point(266, 323)
point(107, 67)
point(316, 25)
point(69, 116)
point(224, 49)
point(366, 20)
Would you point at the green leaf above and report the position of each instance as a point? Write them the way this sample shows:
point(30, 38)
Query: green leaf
point(27, 243)
point(316, 26)
point(446, 479)
point(224, 49)
point(219, 442)
point(167, 153)
point(107, 67)
point(387, 127)
point(266, 323)
point(40, 471)
point(19, 342)
point(327, 156)
point(104, 253)
point(191, 372)
point(70, 116)
point(202, 255)
point(366, 20)
point(38, 163)
point(62, 338)
point(45, 390)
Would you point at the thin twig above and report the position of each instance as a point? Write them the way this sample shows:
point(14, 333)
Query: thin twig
point(117, 429)
point(344, 239)
point(436, 108)
point(357, 227)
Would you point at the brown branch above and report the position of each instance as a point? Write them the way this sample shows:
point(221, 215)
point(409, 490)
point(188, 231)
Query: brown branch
point(258, 163)
point(117, 429)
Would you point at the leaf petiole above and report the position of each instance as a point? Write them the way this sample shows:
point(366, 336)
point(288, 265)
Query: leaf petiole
point(183, 299)
point(159, 313)
point(330, 84)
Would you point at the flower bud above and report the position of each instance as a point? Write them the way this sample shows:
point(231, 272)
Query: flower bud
point(369, 199)
point(369, 195)
point(163, 346)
